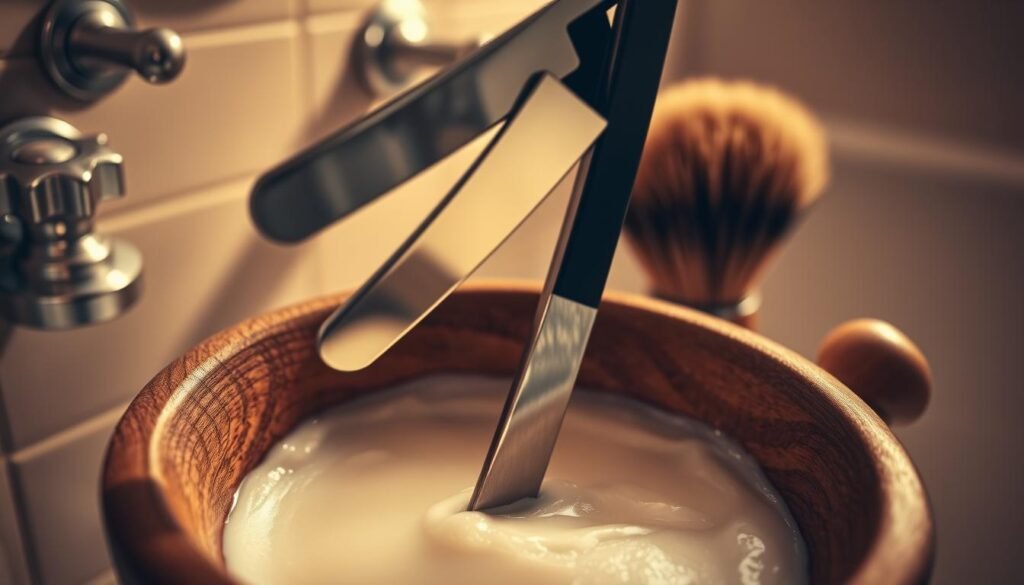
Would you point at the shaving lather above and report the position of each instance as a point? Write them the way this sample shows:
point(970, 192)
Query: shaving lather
point(565, 85)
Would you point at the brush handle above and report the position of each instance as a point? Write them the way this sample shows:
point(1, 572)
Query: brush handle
point(882, 365)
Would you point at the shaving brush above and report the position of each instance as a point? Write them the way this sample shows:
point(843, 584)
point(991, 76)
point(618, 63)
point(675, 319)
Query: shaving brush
point(728, 169)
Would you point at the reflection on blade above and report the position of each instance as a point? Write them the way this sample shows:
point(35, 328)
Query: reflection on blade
point(519, 454)
point(547, 133)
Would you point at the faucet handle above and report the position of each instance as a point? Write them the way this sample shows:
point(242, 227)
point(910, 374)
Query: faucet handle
point(51, 172)
point(55, 271)
point(88, 47)
point(156, 54)
point(396, 44)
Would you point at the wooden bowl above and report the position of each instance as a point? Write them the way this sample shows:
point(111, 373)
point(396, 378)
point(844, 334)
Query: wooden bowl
point(185, 443)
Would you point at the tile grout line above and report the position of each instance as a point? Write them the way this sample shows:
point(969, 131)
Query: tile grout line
point(6, 433)
point(240, 34)
point(69, 434)
point(55, 441)
point(306, 80)
point(23, 525)
point(170, 205)
point(27, 563)
point(225, 36)
point(317, 23)
point(17, 553)
point(312, 24)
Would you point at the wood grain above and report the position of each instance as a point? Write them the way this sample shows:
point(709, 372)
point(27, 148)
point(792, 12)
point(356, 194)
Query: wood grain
point(200, 425)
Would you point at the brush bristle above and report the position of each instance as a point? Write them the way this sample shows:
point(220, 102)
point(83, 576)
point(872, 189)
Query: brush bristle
point(727, 169)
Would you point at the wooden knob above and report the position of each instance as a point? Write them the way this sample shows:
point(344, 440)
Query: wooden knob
point(880, 364)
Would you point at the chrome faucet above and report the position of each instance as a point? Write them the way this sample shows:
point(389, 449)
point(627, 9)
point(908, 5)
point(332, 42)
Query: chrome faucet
point(397, 42)
point(87, 47)
point(55, 271)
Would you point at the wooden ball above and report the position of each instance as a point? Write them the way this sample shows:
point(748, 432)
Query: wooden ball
point(882, 365)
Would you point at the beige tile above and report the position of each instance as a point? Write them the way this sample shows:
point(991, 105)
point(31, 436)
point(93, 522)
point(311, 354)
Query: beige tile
point(18, 26)
point(236, 109)
point(327, 6)
point(319, 6)
point(948, 68)
point(483, 17)
point(19, 19)
point(436, 8)
point(13, 565)
point(205, 269)
point(468, 19)
point(192, 15)
point(335, 92)
point(61, 502)
point(465, 22)
point(450, 19)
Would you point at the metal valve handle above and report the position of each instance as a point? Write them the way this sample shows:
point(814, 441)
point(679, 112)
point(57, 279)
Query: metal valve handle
point(89, 46)
point(396, 44)
point(56, 272)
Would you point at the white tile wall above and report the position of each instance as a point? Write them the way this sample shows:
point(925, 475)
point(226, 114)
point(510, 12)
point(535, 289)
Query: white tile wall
point(334, 93)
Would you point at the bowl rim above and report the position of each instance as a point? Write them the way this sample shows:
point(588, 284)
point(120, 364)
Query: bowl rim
point(148, 544)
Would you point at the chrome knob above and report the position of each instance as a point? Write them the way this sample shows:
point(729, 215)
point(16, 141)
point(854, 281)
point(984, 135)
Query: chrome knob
point(89, 46)
point(55, 174)
point(396, 44)
point(56, 272)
